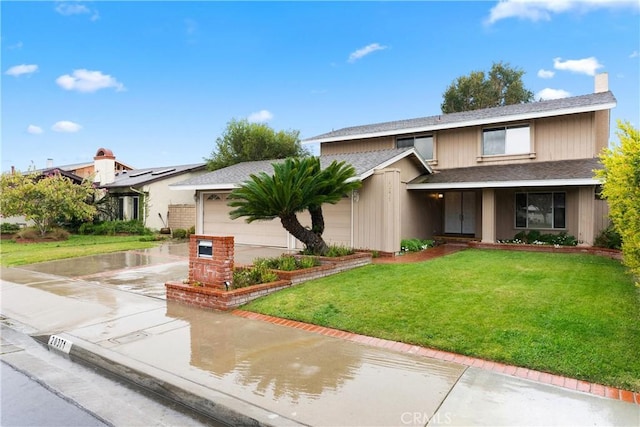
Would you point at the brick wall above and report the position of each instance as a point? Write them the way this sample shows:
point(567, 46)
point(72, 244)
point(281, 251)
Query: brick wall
point(214, 271)
point(182, 216)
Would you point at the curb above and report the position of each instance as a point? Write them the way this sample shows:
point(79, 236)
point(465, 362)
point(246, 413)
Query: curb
point(214, 404)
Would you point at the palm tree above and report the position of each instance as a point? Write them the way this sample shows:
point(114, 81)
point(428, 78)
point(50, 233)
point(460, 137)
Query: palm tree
point(297, 184)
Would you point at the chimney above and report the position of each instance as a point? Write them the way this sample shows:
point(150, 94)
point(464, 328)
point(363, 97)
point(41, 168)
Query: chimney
point(104, 164)
point(49, 163)
point(13, 170)
point(601, 83)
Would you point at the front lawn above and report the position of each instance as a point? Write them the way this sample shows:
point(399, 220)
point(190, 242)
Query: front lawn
point(568, 314)
point(14, 254)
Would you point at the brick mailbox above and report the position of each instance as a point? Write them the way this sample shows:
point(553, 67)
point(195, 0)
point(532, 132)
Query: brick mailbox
point(211, 260)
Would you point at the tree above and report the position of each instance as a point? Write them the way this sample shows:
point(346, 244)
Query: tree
point(621, 188)
point(297, 184)
point(243, 141)
point(46, 199)
point(502, 86)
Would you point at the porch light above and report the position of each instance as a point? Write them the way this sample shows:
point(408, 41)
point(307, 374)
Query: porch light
point(440, 196)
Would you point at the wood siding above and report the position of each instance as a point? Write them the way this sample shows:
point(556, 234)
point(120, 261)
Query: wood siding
point(556, 138)
point(358, 146)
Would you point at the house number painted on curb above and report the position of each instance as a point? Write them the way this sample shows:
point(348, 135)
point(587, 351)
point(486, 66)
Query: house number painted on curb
point(60, 344)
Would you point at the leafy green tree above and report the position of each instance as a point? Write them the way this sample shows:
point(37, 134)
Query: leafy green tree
point(502, 85)
point(46, 199)
point(621, 188)
point(297, 184)
point(243, 142)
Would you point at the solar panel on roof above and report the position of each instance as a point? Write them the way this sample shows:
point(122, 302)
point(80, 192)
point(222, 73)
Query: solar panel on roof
point(163, 171)
point(133, 175)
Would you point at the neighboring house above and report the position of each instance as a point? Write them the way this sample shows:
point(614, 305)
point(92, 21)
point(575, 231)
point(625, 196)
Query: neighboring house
point(485, 175)
point(88, 169)
point(143, 194)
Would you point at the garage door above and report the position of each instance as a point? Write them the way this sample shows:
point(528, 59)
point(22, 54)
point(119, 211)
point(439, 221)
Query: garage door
point(337, 223)
point(217, 223)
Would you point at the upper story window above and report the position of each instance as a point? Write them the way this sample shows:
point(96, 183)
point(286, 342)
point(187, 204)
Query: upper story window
point(422, 144)
point(506, 140)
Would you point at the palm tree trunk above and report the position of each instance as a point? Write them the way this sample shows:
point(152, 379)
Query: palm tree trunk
point(311, 240)
point(317, 219)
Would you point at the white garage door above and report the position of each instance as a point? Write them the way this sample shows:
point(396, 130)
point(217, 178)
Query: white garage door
point(217, 223)
point(337, 223)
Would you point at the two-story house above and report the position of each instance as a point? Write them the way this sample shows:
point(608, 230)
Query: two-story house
point(485, 174)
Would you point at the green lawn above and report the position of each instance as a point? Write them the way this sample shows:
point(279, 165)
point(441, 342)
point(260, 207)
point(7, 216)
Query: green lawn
point(569, 314)
point(13, 254)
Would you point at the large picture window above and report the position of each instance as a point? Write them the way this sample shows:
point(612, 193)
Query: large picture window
point(422, 144)
point(541, 210)
point(506, 140)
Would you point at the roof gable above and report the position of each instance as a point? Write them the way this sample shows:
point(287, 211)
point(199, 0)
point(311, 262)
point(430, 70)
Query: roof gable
point(232, 176)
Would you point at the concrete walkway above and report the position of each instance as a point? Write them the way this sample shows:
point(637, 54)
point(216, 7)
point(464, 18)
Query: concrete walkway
point(247, 369)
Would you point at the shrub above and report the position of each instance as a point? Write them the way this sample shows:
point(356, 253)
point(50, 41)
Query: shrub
point(535, 237)
point(415, 245)
point(338, 251)
point(609, 238)
point(33, 233)
point(111, 228)
point(8, 228)
point(243, 277)
point(179, 233)
point(334, 251)
point(287, 262)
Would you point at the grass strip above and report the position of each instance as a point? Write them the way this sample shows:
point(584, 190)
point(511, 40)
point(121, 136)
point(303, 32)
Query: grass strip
point(14, 254)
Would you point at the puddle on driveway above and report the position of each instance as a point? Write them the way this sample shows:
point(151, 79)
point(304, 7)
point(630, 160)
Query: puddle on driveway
point(309, 377)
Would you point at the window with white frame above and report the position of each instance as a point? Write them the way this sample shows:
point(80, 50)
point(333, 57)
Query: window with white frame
point(541, 210)
point(422, 144)
point(506, 140)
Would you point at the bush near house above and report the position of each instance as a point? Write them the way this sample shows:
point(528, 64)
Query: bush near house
point(111, 228)
point(415, 245)
point(609, 238)
point(535, 237)
point(288, 262)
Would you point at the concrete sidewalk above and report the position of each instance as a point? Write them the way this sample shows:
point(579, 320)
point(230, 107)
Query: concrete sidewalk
point(111, 309)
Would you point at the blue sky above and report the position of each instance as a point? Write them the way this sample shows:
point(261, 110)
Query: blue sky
point(157, 82)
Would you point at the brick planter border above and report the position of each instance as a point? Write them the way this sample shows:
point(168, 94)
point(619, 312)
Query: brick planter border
point(220, 299)
point(604, 252)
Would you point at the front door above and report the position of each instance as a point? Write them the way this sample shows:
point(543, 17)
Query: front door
point(460, 212)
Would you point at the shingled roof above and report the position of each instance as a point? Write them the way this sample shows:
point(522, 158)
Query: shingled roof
point(365, 164)
point(564, 172)
point(571, 105)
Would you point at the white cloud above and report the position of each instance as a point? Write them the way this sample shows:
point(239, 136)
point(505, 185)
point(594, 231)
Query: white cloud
point(15, 46)
point(545, 74)
point(66, 126)
point(88, 81)
point(634, 54)
point(19, 70)
point(587, 66)
point(34, 130)
point(260, 116)
point(67, 9)
point(542, 10)
point(548, 93)
point(360, 53)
